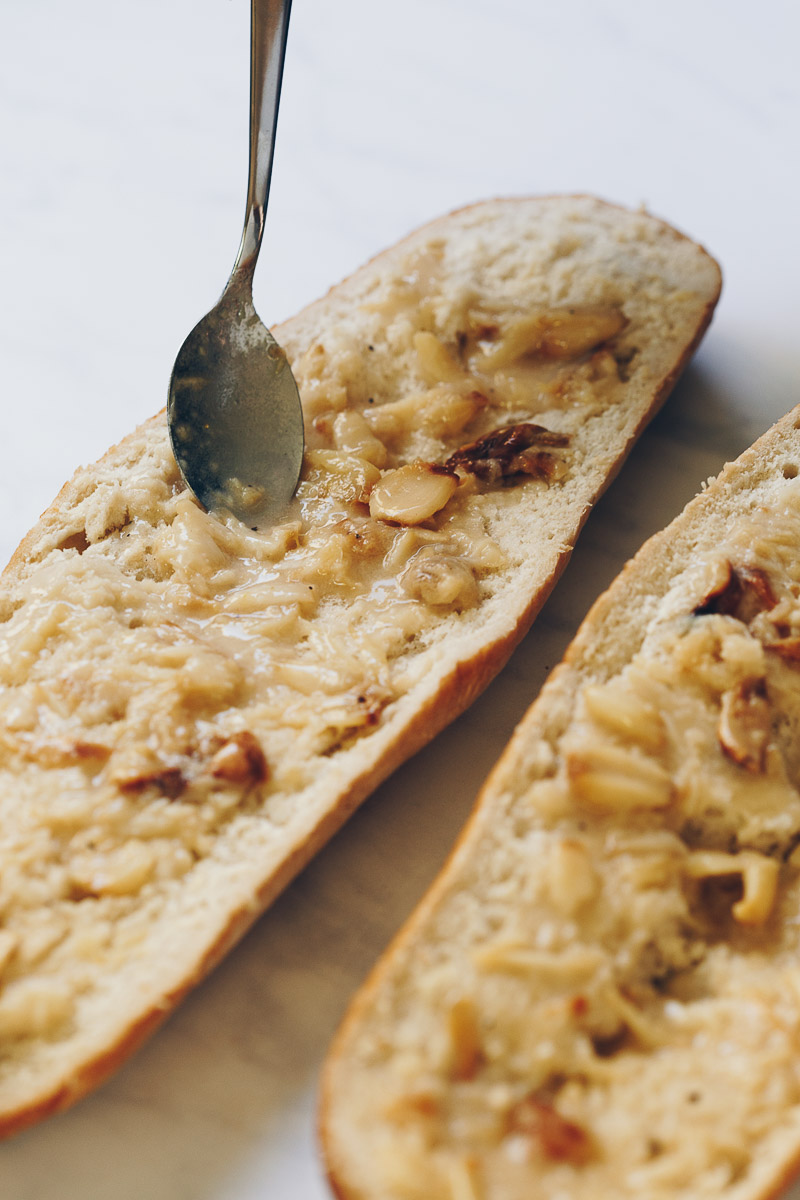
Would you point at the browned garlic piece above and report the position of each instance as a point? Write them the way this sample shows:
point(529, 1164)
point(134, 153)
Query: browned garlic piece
point(137, 766)
point(441, 411)
point(744, 725)
point(353, 435)
point(571, 878)
point(562, 334)
point(740, 592)
point(759, 875)
point(412, 493)
point(466, 1055)
point(339, 476)
point(436, 363)
point(512, 450)
point(619, 710)
point(550, 1134)
point(119, 872)
point(611, 779)
point(240, 760)
point(440, 579)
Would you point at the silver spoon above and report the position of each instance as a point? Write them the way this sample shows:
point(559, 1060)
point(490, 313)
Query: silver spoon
point(233, 411)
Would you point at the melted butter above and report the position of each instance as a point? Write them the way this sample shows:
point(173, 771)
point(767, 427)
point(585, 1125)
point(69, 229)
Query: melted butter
point(135, 652)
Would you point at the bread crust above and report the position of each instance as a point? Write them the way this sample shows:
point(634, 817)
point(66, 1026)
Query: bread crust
point(455, 690)
point(607, 640)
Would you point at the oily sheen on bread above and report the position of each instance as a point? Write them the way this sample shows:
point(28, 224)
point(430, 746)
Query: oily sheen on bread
point(600, 996)
point(190, 708)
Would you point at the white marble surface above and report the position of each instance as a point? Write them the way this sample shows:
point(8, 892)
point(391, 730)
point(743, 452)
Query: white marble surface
point(123, 151)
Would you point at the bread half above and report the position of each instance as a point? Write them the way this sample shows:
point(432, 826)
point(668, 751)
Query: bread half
point(190, 707)
point(600, 996)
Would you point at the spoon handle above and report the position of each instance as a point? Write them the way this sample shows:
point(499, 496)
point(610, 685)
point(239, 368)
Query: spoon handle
point(269, 27)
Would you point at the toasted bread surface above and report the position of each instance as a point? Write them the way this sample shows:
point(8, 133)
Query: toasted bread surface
point(190, 708)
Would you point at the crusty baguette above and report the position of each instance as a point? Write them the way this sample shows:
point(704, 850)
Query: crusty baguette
point(190, 708)
point(600, 995)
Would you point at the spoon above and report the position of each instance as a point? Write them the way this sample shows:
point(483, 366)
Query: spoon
point(233, 411)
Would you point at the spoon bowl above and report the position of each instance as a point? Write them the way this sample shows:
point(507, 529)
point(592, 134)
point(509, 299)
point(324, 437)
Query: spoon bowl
point(233, 412)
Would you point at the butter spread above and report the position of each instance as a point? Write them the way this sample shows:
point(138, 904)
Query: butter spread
point(167, 674)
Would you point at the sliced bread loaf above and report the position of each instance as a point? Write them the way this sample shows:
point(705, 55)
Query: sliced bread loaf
point(600, 996)
point(190, 708)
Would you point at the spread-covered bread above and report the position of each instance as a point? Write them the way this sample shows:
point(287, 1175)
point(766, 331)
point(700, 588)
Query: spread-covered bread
point(600, 997)
point(189, 707)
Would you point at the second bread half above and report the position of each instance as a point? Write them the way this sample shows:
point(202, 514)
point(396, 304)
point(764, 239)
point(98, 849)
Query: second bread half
point(600, 997)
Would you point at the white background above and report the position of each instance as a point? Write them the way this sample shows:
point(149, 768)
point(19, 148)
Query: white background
point(123, 148)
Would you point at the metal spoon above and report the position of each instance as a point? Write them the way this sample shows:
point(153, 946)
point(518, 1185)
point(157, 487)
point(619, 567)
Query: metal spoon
point(233, 412)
